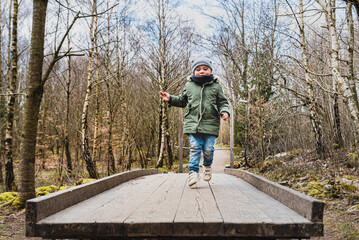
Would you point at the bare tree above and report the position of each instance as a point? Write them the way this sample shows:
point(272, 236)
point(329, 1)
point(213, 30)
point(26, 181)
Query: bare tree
point(97, 95)
point(351, 47)
point(35, 89)
point(310, 98)
point(33, 100)
point(90, 166)
point(161, 76)
point(111, 167)
point(166, 63)
point(2, 101)
point(68, 94)
point(12, 83)
point(340, 84)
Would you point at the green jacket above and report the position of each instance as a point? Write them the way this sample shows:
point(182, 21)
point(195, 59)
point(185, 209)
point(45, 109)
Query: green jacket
point(205, 103)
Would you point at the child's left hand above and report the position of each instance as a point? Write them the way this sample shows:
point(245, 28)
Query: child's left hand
point(225, 116)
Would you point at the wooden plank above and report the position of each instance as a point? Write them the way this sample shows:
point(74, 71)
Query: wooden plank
point(278, 212)
point(197, 213)
point(155, 217)
point(244, 218)
point(308, 207)
point(163, 205)
point(110, 208)
point(212, 218)
point(42, 207)
point(241, 216)
point(233, 204)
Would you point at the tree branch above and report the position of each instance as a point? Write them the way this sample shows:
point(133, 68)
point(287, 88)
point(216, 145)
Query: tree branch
point(56, 55)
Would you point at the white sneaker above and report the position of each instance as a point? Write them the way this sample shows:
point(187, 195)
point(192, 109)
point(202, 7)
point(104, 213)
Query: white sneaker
point(207, 173)
point(193, 178)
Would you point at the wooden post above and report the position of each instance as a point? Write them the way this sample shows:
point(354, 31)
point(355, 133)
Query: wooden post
point(180, 141)
point(231, 136)
point(221, 132)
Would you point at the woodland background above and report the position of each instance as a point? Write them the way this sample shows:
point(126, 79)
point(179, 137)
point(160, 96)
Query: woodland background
point(80, 82)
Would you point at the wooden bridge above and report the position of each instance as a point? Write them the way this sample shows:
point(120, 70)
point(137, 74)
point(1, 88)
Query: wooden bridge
point(144, 204)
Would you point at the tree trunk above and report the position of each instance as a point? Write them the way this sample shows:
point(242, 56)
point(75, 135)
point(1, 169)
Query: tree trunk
point(67, 141)
point(120, 78)
point(68, 93)
point(97, 99)
point(351, 72)
point(33, 101)
point(90, 166)
point(338, 138)
point(41, 134)
point(110, 156)
point(168, 144)
point(338, 81)
point(9, 169)
point(2, 105)
point(161, 78)
point(313, 112)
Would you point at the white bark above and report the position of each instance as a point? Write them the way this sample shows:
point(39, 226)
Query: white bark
point(340, 82)
point(314, 118)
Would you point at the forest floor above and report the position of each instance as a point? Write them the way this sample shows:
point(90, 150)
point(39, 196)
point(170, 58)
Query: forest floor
point(334, 183)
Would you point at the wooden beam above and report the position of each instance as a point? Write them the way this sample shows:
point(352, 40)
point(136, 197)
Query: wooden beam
point(180, 141)
point(306, 206)
point(42, 207)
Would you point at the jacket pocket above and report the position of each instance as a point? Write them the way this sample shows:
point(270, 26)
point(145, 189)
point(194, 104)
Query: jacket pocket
point(191, 108)
point(211, 112)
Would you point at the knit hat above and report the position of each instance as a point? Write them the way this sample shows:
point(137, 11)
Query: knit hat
point(201, 60)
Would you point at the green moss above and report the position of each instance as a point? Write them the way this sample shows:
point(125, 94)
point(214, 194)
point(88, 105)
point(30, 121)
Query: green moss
point(336, 146)
point(163, 170)
point(8, 203)
point(271, 164)
point(41, 191)
point(85, 180)
point(348, 187)
point(19, 203)
point(314, 192)
point(352, 156)
point(315, 185)
point(7, 196)
point(353, 178)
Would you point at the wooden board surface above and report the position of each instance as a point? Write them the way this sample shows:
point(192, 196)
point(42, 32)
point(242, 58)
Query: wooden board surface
point(164, 205)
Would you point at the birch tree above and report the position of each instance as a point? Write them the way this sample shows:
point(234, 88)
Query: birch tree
point(2, 100)
point(90, 165)
point(97, 94)
point(68, 94)
point(340, 84)
point(350, 61)
point(111, 166)
point(11, 93)
point(161, 18)
point(234, 51)
point(166, 63)
point(310, 99)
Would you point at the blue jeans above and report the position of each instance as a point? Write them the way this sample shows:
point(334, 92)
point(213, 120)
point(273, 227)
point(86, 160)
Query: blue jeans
point(201, 143)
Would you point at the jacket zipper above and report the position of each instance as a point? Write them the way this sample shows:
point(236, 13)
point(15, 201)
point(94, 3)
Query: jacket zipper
point(200, 107)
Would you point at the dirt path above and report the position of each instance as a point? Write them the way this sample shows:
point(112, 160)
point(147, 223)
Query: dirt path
point(220, 159)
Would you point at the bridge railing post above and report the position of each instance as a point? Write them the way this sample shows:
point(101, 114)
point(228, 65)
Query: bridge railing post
point(231, 140)
point(180, 141)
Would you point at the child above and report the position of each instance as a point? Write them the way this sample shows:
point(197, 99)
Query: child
point(206, 103)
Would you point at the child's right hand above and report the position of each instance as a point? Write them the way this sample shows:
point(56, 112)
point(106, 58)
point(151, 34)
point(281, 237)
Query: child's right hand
point(165, 96)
